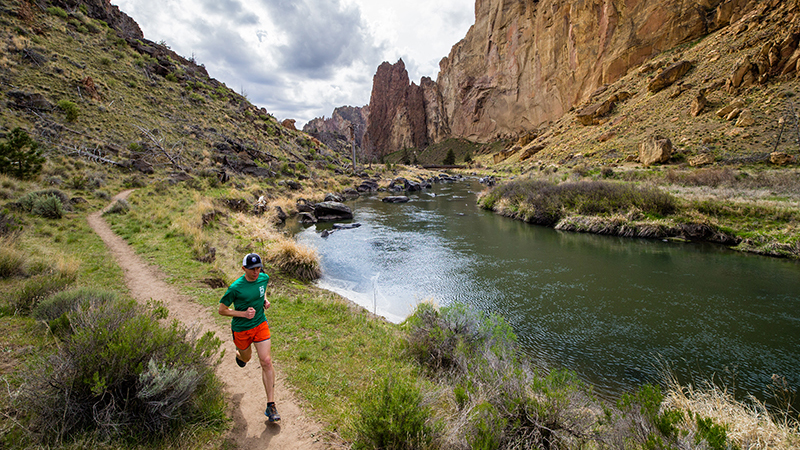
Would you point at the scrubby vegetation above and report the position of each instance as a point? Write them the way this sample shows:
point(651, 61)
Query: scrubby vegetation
point(118, 373)
point(84, 366)
point(545, 203)
point(752, 212)
point(482, 393)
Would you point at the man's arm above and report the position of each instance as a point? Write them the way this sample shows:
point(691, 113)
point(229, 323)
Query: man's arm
point(225, 311)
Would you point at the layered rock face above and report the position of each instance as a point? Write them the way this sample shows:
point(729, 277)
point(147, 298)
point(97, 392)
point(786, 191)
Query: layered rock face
point(525, 63)
point(397, 113)
point(338, 126)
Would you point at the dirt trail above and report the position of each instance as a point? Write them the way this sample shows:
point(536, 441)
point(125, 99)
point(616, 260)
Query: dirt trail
point(243, 385)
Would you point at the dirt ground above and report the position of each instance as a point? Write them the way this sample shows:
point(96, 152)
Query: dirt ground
point(244, 388)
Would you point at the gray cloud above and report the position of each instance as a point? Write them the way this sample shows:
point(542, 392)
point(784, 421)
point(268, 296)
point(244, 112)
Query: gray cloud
point(229, 8)
point(323, 36)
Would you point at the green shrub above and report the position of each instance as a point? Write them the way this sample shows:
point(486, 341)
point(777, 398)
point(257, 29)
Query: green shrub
point(171, 77)
point(55, 309)
point(120, 206)
point(70, 109)
point(56, 11)
point(488, 428)
point(29, 200)
point(392, 417)
point(39, 287)
point(48, 206)
point(119, 374)
point(20, 156)
point(715, 435)
point(652, 425)
point(195, 97)
point(502, 402)
point(457, 338)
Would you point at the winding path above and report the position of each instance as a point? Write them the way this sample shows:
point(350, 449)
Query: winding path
point(247, 399)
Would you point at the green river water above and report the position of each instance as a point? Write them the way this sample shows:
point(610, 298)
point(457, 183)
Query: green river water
point(614, 310)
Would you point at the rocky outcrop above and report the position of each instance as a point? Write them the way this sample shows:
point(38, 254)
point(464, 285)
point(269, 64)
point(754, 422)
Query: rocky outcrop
point(397, 108)
point(592, 114)
point(669, 76)
point(526, 63)
point(335, 131)
point(108, 13)
point(654, 150)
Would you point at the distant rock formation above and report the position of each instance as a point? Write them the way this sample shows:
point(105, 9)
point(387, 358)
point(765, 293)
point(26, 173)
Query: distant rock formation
point(397, 112)
point(526, 63)
point(335, 131)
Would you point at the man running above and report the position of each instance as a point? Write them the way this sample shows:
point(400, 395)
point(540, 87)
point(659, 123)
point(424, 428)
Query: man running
point(248, 295)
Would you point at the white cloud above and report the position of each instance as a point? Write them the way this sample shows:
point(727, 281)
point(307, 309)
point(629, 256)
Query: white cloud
point(302, 58)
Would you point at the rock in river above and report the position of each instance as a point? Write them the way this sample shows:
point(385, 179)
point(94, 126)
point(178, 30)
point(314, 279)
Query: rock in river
point(332, 211)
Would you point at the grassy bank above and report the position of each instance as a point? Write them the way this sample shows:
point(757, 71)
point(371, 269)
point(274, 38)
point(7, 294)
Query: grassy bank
point(446, 379)
point(751, 211)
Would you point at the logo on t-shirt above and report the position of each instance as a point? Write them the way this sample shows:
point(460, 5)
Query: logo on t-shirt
point(261, 290)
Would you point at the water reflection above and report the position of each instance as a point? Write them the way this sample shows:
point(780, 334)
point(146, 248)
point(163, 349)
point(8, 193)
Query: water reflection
point(609, 308)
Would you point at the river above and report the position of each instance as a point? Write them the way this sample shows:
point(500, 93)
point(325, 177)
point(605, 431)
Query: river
point(614, 310)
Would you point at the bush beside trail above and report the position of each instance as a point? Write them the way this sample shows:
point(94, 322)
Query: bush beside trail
point(118, 373)
point(478, 391)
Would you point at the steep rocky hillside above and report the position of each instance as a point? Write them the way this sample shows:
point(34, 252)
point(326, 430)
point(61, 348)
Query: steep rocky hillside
point(81, 79)
point(735, 104)
point(525, 69)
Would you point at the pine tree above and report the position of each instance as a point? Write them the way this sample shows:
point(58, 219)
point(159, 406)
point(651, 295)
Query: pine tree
point(450, 158)
point(20, 156)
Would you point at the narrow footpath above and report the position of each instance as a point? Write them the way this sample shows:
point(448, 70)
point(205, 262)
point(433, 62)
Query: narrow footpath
point(244, 388)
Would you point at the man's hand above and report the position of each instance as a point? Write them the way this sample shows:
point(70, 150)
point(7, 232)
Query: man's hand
point(266, 304)
point(250, 313)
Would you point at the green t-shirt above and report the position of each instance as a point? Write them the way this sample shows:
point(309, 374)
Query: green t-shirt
point(244, 294)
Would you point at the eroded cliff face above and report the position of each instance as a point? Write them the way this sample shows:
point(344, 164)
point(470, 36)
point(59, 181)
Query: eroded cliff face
point(397, 117)
point(336, 130)
point(525, 63)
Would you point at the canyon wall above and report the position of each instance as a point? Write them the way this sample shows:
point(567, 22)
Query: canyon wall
point(525, 63)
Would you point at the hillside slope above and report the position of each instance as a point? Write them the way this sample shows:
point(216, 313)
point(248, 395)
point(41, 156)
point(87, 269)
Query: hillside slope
point(87, 88)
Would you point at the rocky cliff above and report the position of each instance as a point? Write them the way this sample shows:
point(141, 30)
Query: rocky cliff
point(105, 11)
point(525, 63)
point(335, 131)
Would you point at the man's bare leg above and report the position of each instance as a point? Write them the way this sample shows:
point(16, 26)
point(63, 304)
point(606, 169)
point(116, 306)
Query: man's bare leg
point(267, 372)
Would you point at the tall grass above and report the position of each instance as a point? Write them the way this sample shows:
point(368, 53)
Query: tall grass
point(748, 424)
point(56, 276)
point(12, 259)
point(545, 203)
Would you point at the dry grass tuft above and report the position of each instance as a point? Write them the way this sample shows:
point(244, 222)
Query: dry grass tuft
point(295, 259)
point(255, 228)
point(12, 259)
point(191, 225)
point(750, 424)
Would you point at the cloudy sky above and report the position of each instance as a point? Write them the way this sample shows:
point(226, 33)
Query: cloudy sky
point(300, 59)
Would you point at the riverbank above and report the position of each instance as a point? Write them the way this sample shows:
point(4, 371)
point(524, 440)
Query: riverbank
point(334, 354)
point(747, 210)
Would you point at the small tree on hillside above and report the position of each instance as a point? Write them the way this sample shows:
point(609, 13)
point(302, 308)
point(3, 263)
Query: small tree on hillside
point(20, 156)
point(450, 158)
